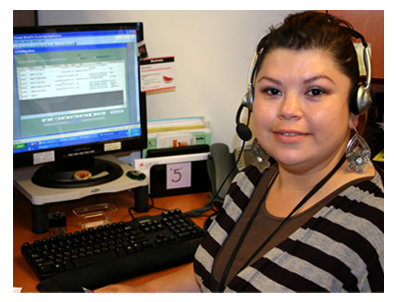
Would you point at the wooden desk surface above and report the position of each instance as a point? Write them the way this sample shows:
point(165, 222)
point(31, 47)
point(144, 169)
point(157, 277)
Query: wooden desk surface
point(24, 276)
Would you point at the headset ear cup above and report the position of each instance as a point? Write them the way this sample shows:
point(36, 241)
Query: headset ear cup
point(360, 100)
point(353, 103)
point(248, 99)
point(363, 99)
point(251, 98)
point(242, 130)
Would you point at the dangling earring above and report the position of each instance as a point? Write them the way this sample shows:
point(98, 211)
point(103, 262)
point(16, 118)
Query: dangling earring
point(259, 156)
point(358, 157)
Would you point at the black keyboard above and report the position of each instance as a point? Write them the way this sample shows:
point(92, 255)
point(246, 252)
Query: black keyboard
point(112, 253)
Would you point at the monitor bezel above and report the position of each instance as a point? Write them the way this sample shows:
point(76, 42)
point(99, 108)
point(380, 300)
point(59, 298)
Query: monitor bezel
point(26, 159)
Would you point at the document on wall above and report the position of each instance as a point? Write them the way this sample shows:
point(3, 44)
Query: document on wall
point(157, 74)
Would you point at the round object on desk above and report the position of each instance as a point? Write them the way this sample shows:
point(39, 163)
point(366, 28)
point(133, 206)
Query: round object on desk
point(136, 175)
point(82, 175)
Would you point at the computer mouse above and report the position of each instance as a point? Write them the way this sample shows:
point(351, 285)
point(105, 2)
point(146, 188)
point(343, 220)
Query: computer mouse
point(136, 175)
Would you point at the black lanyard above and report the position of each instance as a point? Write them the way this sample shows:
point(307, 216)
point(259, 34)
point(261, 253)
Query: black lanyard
point(250, 222)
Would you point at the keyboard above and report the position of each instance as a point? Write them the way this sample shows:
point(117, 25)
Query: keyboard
point(96, 257)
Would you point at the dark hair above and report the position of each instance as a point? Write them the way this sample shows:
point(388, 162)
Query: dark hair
point(314, 30)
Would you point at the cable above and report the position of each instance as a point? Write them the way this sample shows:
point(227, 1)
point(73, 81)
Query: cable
point(209, 205)
point(151, 206)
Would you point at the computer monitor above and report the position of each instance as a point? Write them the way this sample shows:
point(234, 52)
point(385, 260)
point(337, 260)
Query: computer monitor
point(76, 96)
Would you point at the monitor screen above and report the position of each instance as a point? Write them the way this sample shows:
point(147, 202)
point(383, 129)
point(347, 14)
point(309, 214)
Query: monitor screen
point(76, 93)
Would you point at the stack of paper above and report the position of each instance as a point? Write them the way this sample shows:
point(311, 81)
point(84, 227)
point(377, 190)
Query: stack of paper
point(173, 133)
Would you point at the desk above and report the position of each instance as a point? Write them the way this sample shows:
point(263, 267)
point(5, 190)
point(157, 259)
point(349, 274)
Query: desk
point(24, 276)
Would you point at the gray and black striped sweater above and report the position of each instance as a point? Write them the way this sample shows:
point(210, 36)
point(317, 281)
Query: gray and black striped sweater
point(340, 249)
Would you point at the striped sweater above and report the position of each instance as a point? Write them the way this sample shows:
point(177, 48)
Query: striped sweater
point(340, 249)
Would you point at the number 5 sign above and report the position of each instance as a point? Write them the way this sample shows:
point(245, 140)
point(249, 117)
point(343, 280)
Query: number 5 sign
point(178, 175)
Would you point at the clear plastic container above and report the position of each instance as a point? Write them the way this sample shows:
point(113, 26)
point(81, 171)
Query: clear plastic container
point(95, 215)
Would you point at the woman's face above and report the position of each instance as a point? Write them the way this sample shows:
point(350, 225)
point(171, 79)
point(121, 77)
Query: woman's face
point(301, 108)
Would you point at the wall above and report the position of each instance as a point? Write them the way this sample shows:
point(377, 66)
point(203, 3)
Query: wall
point(370, 23)
point(212, 50)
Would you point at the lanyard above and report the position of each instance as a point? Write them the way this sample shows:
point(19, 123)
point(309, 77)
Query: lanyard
point(250, 222)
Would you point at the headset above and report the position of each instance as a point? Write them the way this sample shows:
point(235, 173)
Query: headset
point(360, 99)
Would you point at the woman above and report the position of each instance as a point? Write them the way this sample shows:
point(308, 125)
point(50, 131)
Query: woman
point(285, 230)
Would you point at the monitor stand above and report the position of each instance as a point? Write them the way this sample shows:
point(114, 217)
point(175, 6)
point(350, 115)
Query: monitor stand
point(96, 172)
point(41, 196)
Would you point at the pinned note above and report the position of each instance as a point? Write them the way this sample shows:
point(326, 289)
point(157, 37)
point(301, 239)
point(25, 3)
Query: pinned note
point(157, 74)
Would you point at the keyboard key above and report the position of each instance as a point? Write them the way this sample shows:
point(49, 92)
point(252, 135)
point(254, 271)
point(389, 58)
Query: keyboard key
point(95, 258)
